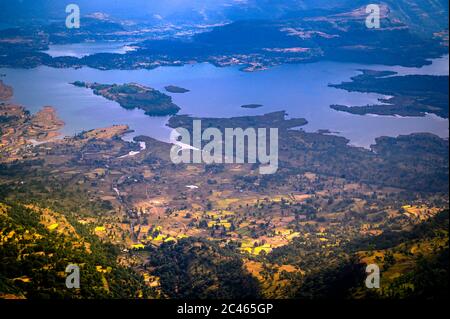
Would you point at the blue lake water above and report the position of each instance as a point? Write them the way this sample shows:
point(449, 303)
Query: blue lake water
point(302, 90)
point(80, 50)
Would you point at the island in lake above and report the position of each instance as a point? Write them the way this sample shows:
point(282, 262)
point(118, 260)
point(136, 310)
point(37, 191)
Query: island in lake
point(251, 106)
point(409, 95)
point(176, 89)
point(132, 95)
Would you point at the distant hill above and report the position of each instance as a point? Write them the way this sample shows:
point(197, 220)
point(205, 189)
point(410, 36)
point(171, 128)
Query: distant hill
point(425, 16)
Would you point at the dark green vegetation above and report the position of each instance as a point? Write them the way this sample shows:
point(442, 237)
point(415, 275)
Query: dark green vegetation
point(198, 268)
point(34, 259)
point(176, 89)
point(426, 276)
point(410, 269)
point(274, 119)
point(412, 95)
point(131, 96)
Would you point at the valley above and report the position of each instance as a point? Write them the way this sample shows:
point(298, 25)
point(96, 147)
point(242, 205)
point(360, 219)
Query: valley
point(314, 206)
point(360, 151)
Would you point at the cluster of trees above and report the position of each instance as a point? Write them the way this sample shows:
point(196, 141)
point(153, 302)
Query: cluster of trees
point(197, 268)
point(340, 274)
point(41, 256)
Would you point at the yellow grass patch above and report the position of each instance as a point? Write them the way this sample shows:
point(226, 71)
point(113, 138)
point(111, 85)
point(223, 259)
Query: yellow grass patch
point(100, 229)
point(23, 279)
point(52, 226)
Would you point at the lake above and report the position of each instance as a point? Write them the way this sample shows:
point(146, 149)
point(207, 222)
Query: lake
point(302, 90)
point(79, 50)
